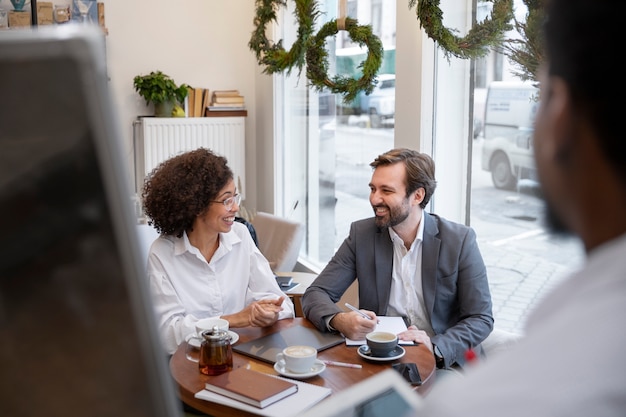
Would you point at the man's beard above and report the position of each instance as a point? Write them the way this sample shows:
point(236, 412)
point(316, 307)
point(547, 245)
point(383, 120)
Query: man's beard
point(553, 221)
point(396, 215)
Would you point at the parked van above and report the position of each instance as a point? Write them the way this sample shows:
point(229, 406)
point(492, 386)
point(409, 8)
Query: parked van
point(507, 153)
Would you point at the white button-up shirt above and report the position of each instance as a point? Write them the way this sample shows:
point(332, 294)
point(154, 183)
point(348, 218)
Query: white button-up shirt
point(407, 297)
point(186, 288)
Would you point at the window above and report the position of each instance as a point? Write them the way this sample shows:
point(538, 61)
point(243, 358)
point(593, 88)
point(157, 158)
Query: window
point(328, 145)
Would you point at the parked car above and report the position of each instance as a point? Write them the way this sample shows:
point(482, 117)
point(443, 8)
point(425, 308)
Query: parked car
point(507, 148)
point(381, 103)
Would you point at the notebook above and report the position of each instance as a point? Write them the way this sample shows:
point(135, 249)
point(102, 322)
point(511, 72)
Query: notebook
point(392, 324)
point(293, 405)
point(265, 348)
point(251, 387)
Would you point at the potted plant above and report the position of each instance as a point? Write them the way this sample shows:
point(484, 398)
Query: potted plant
point(162, 91)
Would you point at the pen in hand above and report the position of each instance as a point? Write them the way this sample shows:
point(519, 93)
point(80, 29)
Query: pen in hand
point(362, 314)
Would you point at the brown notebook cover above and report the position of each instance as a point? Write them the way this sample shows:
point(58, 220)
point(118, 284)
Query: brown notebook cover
point(251, 387)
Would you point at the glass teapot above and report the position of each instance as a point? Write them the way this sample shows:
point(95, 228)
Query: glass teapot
point(216, 353)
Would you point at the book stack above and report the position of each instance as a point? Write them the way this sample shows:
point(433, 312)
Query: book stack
point(197, 101)
point(227, 100)
point(251, 387)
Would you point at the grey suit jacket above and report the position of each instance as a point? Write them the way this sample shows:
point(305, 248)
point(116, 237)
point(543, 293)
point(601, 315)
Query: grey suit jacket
point(454, 280)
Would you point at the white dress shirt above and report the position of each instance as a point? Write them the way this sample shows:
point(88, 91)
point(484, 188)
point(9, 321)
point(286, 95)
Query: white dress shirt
point(186, 288)
point(407, 297)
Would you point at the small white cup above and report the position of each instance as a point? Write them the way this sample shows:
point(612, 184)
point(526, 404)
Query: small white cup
point(208, 324)
point(298, 359)
point(195, 340)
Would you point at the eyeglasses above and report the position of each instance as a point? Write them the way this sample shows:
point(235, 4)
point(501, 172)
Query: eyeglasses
point(228, 203)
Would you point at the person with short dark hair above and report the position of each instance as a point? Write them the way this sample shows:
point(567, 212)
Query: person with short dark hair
point(204, 264)
point(570, 361)
point(408, 263)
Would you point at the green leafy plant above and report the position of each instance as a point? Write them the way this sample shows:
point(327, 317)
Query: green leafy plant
point(157, 87)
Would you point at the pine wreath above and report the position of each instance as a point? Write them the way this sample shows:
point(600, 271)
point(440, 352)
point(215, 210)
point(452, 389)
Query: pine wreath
point(478, 40)
point(317, 60)
point(273, 56)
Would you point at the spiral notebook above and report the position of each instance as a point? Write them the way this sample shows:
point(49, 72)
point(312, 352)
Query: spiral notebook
point(265, 348)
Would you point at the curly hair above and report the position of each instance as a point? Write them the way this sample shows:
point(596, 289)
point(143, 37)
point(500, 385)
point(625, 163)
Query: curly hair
point(181, 188)
point(420, 170)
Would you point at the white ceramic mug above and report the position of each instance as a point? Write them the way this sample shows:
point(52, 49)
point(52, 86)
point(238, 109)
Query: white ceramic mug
point(208, 324)
point(298, 359)
point(194, 340)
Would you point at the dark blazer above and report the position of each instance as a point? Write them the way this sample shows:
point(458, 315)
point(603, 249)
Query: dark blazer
point(454, 280)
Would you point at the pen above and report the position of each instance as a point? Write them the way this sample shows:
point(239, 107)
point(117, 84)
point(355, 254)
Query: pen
point(353, 308)
point(345, 365)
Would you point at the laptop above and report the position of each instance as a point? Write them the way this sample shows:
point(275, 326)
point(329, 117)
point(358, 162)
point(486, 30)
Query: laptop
point(76, 323)
point(382, 395)
point(265, 348)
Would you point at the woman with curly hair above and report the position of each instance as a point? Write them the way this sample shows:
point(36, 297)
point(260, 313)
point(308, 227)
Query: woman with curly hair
point(204, 264)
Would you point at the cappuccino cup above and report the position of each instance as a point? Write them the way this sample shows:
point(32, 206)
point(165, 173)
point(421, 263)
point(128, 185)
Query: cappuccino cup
point(381, 343)
point(298, 359)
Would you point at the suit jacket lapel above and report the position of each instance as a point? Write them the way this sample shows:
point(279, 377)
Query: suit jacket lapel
point(383, 250)
point(430, 257)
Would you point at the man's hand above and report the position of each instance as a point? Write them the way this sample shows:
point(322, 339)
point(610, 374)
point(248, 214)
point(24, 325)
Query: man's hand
point(353, 326)
point(416, 335)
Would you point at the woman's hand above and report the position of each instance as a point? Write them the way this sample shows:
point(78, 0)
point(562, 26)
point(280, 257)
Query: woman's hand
point(261, 313)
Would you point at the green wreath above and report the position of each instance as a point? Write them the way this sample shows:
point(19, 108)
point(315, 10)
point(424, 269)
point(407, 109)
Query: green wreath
point(477, 41)
point(317, 60)
point(273, 56)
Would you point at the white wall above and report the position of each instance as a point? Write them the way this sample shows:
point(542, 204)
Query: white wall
point(198, 42)
point(202, 43)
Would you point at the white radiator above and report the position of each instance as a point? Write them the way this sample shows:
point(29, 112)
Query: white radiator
point(159, 138)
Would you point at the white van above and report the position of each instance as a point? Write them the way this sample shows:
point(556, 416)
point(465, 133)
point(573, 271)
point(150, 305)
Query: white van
point(507, 153)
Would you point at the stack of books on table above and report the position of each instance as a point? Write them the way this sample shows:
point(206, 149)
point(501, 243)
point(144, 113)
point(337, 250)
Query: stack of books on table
point(226, 100)
point(262, 394)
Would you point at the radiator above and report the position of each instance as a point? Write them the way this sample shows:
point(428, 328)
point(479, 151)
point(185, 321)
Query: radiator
point(159, 138)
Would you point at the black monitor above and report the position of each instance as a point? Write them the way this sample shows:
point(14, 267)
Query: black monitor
point(77, 330)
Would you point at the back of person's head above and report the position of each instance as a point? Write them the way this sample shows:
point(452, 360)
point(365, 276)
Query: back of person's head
point(583, 40)
point(420, 170)
point(182, 187)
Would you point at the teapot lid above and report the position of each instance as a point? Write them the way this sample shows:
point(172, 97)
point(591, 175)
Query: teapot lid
point(215, 334)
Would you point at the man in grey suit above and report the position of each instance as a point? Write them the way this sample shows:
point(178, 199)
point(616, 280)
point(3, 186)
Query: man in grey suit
point(408, 263)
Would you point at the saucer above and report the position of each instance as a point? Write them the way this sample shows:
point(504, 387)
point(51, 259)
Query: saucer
point(397, 353)
point(195, 341)
point(318, 368)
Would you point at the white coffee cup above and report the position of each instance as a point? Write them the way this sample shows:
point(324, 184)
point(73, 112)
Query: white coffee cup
point(298, 359)
point(208, 324)
point(194, 340)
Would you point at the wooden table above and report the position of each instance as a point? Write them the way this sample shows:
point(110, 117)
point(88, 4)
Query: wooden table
point(189, 379)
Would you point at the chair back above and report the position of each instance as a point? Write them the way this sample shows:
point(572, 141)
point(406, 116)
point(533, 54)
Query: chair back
point(280, 240)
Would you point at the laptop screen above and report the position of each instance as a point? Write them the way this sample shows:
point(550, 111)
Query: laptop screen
point(77, 328)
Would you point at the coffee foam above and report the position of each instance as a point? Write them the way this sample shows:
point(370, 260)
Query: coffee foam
point(382, 337)
point(301, 351)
